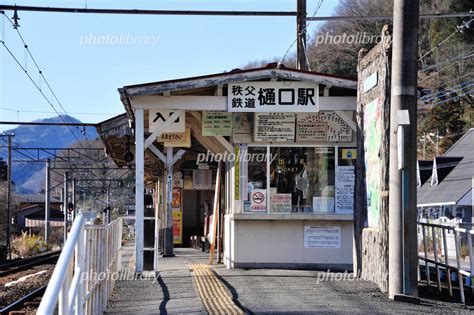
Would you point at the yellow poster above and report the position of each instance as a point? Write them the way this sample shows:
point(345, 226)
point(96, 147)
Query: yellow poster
point(349, 154)
point(177, 227)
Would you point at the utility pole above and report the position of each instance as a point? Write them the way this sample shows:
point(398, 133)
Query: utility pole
point(402, 191)
point(73, 200)
point(65, 189)
point(301, 61)
point(437, 143)
point(47, 201)
point(9, 196)
point(424, 145)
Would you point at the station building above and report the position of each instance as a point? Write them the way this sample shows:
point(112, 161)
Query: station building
point(273, 147)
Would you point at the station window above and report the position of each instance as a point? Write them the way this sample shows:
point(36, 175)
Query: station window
point(299, 179)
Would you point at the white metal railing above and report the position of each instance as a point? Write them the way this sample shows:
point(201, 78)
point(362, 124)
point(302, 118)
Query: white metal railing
point(440, 245)
point(83, 280)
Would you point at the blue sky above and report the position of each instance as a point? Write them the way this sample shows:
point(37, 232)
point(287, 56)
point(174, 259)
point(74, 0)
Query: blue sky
point(85, 67)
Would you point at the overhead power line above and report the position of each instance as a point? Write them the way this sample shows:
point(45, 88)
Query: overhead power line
point(37, 123)
point(36, 85)
point(49, 112)
point(459, 29)
point(445, 92)
point(40, 72)
point(219, 13)
point(446, 100)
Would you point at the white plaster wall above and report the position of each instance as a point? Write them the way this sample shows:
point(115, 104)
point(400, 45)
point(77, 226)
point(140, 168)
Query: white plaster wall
point(282, 242)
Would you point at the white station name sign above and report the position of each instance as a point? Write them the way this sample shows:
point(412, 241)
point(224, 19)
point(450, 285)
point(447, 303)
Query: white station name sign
point(273, 97)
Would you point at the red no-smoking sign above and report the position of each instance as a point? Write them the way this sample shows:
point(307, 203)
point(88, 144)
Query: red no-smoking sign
point(258, 197)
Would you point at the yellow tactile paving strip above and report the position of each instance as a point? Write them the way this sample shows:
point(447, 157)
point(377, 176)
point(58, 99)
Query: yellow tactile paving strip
point(214, 296)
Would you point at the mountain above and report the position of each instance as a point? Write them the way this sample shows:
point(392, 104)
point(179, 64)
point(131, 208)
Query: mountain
point(27, 175)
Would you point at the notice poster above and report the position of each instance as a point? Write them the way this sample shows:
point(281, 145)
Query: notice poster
point(258, 200)
point(202, 179)
point(216, 123)
point(280, 203)
point(323, 204)
point(177, 227)
point(322, 237)
point(242, 127)
point(345, 180)
point(176, 201)
point(176, 215)
point(373, 135)
point(274, 127)
point(322, 126)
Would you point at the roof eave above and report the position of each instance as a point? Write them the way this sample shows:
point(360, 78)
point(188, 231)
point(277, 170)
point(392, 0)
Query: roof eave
point(231, 77)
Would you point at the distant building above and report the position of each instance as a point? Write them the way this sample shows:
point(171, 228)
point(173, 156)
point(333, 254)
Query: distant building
point(31, 212)
point(445, 184)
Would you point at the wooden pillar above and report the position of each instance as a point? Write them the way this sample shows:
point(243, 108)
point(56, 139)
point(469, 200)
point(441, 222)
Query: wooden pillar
point(139, 188)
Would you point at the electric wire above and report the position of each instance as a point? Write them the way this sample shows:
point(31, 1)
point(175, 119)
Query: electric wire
point(446, 100)
point(446, 92)
point(459, 29)
point(282, 60)
point(27, 50)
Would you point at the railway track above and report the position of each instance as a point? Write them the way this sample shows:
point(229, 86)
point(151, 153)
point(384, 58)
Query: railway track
point(23, 264)
point(30, 298)
point(26, 300)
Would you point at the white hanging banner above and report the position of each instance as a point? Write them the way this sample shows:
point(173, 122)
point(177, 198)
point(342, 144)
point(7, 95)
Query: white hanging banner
point(283, 96)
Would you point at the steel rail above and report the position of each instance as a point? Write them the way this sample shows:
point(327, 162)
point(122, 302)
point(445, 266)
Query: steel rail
point(25, 298)
point(20, 265)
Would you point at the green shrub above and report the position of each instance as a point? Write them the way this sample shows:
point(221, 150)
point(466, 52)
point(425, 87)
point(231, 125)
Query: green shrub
point(29, 245)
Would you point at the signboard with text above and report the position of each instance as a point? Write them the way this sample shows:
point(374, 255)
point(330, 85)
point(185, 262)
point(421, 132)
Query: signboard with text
point(273, 97)
point(258, 200)
point(345, 180)
point(322, 126)
point(274, 127)
point(280, 203)
point(242, 124)
point(156, 117)
point(216, 123)
point(322, 237)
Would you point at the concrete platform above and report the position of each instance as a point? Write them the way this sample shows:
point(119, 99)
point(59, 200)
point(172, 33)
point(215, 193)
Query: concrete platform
point(261, 291)
point(173, 292)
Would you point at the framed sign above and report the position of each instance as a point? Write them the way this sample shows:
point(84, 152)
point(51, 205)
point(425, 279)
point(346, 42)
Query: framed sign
point(274, 127)
point(202, 179)
point(242, 127)
point(280, 203)
point(322, 237)
point(258, 200)
point(345, 181)
point(322, 126)
point(216, 124)
point(177, 140)
point(284, 96)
